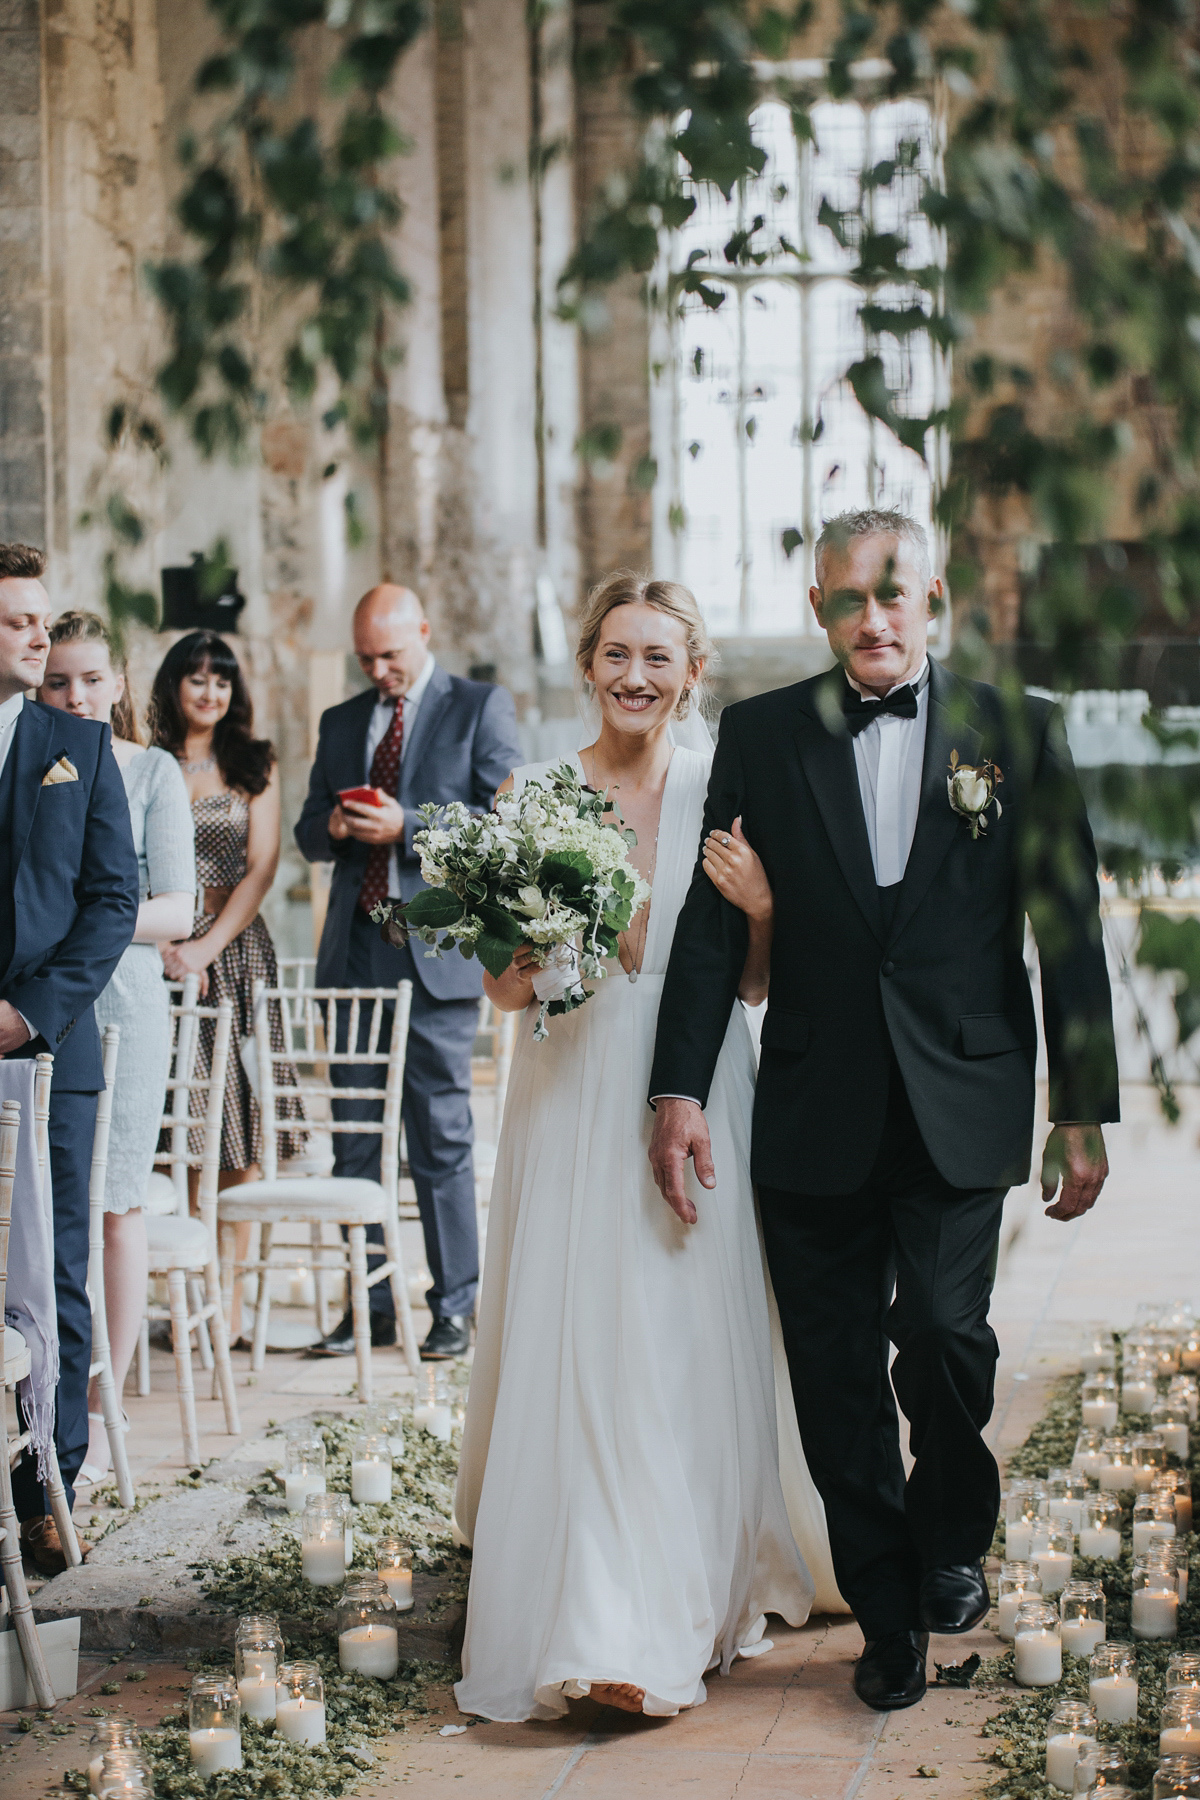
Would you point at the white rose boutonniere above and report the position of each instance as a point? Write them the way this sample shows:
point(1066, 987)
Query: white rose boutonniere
point(972, 789)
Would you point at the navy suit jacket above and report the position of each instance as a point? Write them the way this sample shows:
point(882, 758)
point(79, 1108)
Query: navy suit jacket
point(74, 891)
point(463, 744)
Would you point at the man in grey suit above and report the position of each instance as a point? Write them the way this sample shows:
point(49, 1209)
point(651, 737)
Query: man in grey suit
point(417, 735)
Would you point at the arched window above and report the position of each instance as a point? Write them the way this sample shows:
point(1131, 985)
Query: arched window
point(757, 433)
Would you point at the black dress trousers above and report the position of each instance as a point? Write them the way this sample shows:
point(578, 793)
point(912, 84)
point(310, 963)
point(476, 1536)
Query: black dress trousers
point(906, 1260)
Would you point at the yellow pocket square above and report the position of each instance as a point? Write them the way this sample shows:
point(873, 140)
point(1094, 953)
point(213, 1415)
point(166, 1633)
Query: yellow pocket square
point(63, 770)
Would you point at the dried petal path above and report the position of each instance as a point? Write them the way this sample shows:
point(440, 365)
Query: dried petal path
point(785, 1724)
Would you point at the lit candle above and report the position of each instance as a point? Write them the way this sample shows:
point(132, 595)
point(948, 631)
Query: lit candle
point(256, 1685)
point(1070, 1512)
point(1138, 1395)
point(433, 1416)
point(1080, 1636)
point(1116, 1477)
point(398, 1583)
point(1103, 1541)
point(370, 1650)
point(301, 1721)
point(1114, 1698)
point(323, 1560)
point(1007, 1619)
point(1063, 1751)
point(1180, 1740)
point(217, 1748)
point(370, 1482)
point(1151, 1531)
point(1054, 1569)
point(1100, 1413)
point(1038, 1658)
point(1175, 1438)
point(1155, 1613)
point(297, 1488)
point(1018, 1539)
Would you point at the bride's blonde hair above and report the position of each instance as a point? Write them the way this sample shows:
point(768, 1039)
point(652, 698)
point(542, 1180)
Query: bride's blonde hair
point(626, 587)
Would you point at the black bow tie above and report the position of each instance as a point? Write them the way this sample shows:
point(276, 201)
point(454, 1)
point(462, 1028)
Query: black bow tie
point(858, 712)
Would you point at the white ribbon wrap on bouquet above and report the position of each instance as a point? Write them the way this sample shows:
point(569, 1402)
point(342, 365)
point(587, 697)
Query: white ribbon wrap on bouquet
point(560, 976)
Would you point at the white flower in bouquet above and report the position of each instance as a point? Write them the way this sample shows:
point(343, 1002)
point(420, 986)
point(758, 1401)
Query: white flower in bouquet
point(548, 867)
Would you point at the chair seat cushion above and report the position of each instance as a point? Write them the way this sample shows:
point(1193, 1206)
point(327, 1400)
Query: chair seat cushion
point(327, 1199)
point(160, 1194)
point(176, 1243)
point(16, 1355)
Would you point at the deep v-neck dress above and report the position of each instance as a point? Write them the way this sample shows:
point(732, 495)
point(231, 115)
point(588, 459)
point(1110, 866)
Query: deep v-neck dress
point(619, 1479)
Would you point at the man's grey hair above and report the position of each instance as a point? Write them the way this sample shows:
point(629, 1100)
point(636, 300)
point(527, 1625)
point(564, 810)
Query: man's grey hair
point(871, 521)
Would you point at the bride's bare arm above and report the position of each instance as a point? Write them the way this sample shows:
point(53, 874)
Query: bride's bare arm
point(736, 872)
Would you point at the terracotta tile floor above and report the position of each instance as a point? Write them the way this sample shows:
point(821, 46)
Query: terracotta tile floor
point(785, 1724)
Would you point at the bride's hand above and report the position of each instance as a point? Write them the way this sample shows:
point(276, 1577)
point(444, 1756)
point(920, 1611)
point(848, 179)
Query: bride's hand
point(736, 872)
point(513, 991)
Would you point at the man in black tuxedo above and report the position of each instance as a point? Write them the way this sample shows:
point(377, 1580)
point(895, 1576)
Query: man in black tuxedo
point(68, 907)
point(895, 1095)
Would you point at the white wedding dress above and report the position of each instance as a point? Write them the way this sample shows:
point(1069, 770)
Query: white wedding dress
point(619, 1479)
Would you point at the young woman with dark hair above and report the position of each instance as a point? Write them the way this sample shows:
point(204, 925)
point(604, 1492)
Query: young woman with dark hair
point(200, 710)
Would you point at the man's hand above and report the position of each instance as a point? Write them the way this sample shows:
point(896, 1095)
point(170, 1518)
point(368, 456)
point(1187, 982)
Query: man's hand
point(13, 1030)
point(382, 824)
point(1076, 1155)
point(680, 1132)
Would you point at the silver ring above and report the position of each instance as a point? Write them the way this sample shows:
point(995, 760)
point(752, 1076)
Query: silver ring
point(726, 842)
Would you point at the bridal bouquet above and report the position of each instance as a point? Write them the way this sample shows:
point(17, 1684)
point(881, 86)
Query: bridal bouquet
point(549, 867)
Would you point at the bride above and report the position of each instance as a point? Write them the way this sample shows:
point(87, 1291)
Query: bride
point(619, 1479)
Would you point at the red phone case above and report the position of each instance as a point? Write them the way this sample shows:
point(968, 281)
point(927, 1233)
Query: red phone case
point(368, 796)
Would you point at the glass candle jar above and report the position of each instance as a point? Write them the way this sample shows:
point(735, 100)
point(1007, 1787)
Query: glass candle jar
point(1186, 1390)
point(1023, 1508)
point(1168, 1417)
point(371, 1471)
point(115, 1733)
point(1096, 1350)
point(1177, 1775)
point(303, 1470)
point(432, 1412)
point(393, 1562)
point(1052, 1555)
point(386, 1419)
point(323, 1540)
point(1098, 1401)
point(1070, 1734)
point(124, 1775)
point(1116, 1466)
point(368, 1642)
point(214, 1724)
point(1081, 1609)
point(1170, 1556)
point(1069, 1495)
point(300, 1703)
point(1153, 1520)
point(1101, 1534)
point(1037, 1645)
point(1086, 1458)
point(1165, 1353)
point(1018, 1581)
point(1155, 1610)
point(257, 1654)
point(1179, 1723)
point(1183, 1671)
point(1113, 1684)
point(1139, 1383)
point(1177, 1482)
point(1189, 1349)
point(1105, 1768)
point(1149, 1459)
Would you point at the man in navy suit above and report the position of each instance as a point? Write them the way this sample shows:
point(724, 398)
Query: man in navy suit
point(68, 907)
point(418, 734)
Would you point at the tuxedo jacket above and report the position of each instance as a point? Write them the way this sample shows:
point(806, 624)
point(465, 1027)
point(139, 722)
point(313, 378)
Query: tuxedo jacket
point(462, 745)
point(942, 983)
point(68, 885)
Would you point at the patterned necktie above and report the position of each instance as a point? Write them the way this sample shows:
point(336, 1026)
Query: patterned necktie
point(385, 774)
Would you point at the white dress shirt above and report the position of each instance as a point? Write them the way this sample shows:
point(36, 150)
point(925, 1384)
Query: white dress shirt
point(382, 714)
point(889, 755)
point(10, 712)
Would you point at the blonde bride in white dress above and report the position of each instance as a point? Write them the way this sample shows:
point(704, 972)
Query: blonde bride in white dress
point(619, 1480)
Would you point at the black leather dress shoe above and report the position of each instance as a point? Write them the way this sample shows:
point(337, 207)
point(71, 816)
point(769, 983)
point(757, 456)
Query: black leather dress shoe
point(449, 1338)
point(340, 1341)
point(954, 1599)
point(890, 1673)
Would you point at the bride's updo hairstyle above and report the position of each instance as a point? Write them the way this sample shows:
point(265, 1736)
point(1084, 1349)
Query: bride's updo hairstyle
point(625, 587)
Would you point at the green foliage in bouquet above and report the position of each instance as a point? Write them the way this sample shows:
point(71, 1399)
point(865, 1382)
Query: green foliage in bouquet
point(548, 867)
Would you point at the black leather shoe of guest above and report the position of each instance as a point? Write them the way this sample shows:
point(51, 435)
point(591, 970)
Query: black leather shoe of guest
point(449, 1338)
point(340, 1341)
point(890, 1673)
point(954, 1599)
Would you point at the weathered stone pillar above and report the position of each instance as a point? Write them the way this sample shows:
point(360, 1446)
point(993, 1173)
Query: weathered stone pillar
point(22, 323)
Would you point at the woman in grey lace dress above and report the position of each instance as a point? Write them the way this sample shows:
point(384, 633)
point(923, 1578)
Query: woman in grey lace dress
point(200, 711)
point(85, 675)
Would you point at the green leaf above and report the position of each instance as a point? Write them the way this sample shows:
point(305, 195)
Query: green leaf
point(494, 953)
point(499, 924)
point(434, 907)
point(569, 870)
